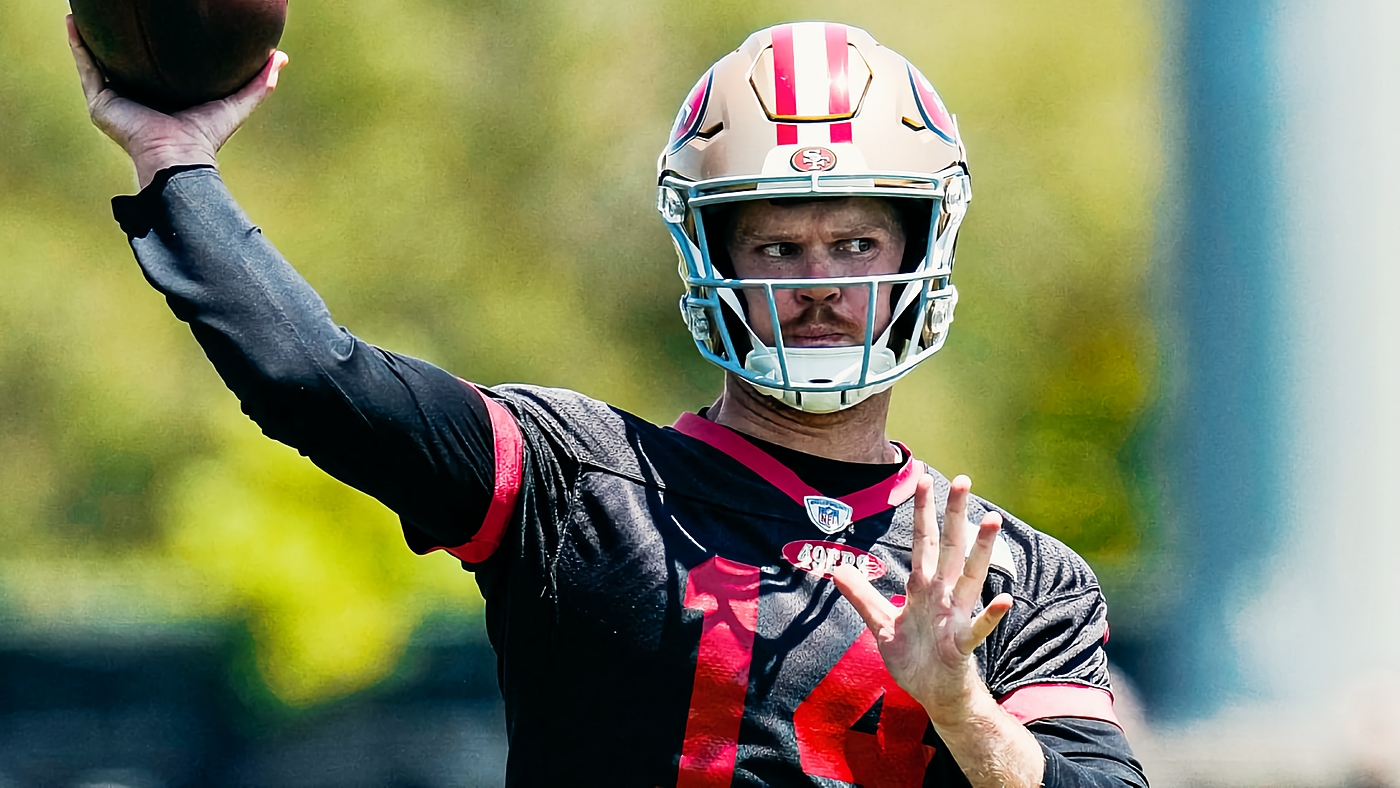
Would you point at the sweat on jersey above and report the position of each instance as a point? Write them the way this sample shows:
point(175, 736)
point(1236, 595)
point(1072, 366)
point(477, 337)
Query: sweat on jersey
point(658, 597)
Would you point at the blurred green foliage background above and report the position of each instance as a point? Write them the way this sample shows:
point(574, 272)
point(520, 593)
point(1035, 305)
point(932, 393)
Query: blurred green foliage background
point(472, 182)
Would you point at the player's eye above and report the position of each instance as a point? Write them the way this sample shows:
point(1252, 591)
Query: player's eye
point(856, 245)
point(780, 250)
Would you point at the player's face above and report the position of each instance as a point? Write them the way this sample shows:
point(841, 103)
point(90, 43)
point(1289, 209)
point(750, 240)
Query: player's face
point(852, 236)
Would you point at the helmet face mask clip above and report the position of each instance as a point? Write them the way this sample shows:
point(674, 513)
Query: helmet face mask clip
point(739, 138)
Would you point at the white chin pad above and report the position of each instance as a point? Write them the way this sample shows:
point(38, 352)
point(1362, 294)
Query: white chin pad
point(837, 367)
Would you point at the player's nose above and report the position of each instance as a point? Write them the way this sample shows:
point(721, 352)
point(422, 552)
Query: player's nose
point(818, 294)
point(820, 264)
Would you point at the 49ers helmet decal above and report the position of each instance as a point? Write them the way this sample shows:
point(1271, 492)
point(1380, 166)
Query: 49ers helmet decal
point(935, 115)
point(687, 123)
point(809, 110)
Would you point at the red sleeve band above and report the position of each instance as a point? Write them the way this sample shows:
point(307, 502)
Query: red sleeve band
point(1040, 701)
point(509, 459)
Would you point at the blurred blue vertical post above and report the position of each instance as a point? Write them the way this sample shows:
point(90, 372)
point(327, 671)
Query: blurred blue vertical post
point(1224, 491)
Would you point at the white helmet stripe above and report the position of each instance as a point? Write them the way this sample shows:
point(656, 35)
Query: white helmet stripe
point(809, 65)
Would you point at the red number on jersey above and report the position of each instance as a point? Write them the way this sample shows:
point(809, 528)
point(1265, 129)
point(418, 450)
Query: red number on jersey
point(727, 593)
point(893, 757)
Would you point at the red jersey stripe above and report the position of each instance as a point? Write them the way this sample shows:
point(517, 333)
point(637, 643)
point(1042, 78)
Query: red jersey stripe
point(887, 494)
point(865, 503)
point(1041, 701)
point(510, 448)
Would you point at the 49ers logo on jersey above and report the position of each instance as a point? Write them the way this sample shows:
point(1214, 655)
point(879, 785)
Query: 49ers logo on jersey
point(820, 558)
point(813, 160)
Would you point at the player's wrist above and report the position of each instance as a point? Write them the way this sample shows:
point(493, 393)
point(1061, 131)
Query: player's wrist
point(149, 162)
point(960, 706)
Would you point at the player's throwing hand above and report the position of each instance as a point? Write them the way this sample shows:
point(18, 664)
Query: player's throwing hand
point(927, 644)
point(155, 140)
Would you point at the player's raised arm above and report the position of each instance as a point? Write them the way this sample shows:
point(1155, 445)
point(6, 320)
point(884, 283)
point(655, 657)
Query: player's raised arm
point(398, 428)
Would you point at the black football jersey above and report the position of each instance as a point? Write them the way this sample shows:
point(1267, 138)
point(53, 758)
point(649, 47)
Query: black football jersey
point(658, 597)
point(660, 600)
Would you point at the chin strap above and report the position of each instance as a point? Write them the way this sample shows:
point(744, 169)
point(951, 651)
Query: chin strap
point(819, 366)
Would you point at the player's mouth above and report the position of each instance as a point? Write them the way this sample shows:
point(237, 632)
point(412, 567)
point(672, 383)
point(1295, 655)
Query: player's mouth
point(819, 337)
point(823, 339)
point(822, 326)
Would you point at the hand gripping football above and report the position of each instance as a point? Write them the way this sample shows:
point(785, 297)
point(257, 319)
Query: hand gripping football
point(173, 54)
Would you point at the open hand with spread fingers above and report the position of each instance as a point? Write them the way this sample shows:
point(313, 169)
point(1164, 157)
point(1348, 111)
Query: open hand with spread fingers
point(927, 644)
point(155, 140)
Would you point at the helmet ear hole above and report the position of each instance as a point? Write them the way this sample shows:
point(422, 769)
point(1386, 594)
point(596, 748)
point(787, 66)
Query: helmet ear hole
point(716, 220)
point(915, 216)
point(902, 332)
point(738, 331)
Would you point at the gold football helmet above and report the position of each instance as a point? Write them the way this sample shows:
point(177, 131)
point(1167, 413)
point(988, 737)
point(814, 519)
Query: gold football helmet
point(810, 110)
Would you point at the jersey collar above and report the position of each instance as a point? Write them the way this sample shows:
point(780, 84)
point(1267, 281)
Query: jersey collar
point(869, 502)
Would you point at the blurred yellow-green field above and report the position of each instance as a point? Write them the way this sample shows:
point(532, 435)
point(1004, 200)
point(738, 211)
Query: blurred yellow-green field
point(473, 183)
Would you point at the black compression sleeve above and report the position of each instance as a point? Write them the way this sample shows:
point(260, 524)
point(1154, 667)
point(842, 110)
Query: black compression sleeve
point(1084, 753)
point(398, 428)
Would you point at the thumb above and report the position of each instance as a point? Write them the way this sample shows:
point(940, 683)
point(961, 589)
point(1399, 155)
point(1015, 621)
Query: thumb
point(987, 621)
point(219, 119)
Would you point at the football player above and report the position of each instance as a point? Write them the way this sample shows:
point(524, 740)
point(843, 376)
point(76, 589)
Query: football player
point(767, 592)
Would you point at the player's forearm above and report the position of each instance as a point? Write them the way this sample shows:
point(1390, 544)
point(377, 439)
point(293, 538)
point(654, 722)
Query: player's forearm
point(260, 323)
point(993, 749)
point(397, 428)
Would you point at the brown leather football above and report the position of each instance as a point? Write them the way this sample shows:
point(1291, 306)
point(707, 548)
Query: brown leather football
point(173, 54)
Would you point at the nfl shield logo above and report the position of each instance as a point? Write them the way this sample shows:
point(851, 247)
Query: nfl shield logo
point(828, 514)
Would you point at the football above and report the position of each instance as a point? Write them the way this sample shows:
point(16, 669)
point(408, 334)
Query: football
point(173, 54)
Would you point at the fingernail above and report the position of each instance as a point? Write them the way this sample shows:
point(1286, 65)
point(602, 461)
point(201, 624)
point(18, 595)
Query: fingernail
point(279, 60)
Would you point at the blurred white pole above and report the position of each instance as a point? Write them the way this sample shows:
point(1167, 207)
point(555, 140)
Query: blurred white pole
point(1319, 636)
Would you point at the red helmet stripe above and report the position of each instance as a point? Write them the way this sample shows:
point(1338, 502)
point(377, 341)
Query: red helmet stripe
point(838, 76)
point(784, 73)
point(784, 83)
